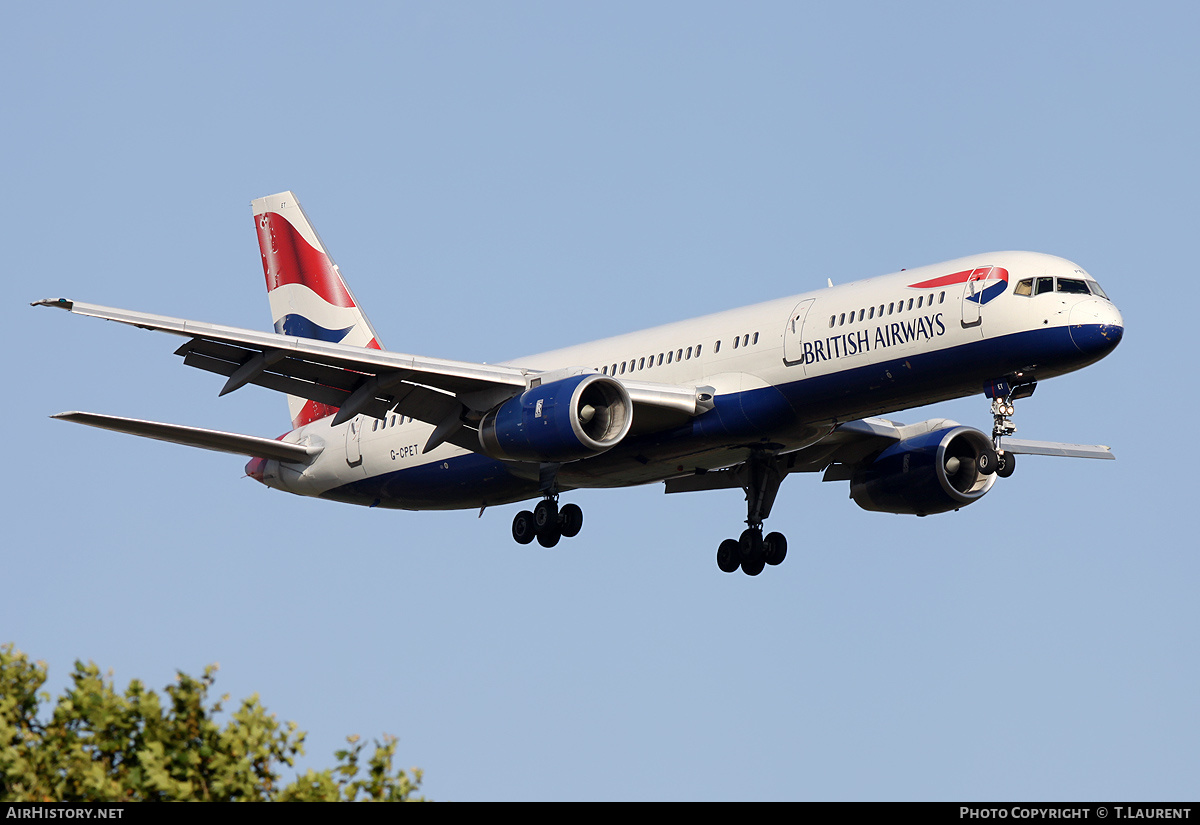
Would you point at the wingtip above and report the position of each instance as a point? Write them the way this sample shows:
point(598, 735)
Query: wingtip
point(61, 303)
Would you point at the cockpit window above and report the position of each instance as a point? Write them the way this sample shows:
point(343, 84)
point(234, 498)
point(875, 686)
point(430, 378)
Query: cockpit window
point(1096, 290)
point(1024, 287)
point(1044, 285)
point(1071, 286)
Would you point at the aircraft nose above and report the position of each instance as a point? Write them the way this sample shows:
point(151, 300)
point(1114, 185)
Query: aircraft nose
point(1096, 327)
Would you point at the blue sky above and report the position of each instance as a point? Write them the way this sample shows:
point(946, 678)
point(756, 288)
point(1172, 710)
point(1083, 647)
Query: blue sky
point(499, 179)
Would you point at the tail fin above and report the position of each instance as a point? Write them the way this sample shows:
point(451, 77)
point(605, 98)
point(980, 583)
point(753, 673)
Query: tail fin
point(309, 298)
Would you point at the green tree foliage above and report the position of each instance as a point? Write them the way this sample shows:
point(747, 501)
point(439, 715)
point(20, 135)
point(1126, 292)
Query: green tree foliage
point(98, 745)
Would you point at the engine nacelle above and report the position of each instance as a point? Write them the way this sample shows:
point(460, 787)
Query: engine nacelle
point(565, 420)
point(931, 473)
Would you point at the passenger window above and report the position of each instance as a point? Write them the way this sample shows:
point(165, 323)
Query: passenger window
point(891, 307)
point(920, 301)
point(910, 300)
point(642, 363)
point(679, 355)
point(1072, 286)
point(1024, 287)
point(871, 314)
point(746, 340)
point(942, 298)
point(698, 349)
point(669, 354)
point(755, 338)
point(660, 357)
point(622, 368)
point(717, 347)
point(1043, 285)
point(737, 341)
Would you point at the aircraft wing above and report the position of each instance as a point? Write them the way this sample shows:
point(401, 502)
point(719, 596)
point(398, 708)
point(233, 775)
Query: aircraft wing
point(1022, 446)
point(841, 452)
point(365, 381)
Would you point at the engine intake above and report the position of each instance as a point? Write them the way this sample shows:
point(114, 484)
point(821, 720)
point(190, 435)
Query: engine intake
point(930, 473)
point(565, 420)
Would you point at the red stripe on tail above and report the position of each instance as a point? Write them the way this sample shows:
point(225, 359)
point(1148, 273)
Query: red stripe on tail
point(289, 259)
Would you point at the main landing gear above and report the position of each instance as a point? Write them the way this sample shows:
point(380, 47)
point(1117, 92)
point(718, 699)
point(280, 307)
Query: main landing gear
point(548, 522)
point(1003, 393)
point(752, 552)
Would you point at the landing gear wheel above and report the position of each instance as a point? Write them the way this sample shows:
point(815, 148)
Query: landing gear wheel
point(1007, 465)
point(987, 461)
point(545, 516)
point(751, 546)
point(774, 548)
point(752, 568)
point(523, 529)
point(549, 537)
point(729, 555)
point(570, 520)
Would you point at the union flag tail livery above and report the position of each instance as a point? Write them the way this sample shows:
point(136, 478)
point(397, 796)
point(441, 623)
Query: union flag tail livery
point(739, 399)
point(309, 298)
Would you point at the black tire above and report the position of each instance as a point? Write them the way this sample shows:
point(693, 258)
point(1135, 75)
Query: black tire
point(774, 548)
point(751, 546)
point(549, 537)
point(753, 568)
point(987, 461)
point(545, 516)
point(1007, 465)
point(523, 529)
point(729, 556)
point(570, 520)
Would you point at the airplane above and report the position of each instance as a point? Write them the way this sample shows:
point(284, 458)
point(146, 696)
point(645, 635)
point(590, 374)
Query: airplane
point(737, 399)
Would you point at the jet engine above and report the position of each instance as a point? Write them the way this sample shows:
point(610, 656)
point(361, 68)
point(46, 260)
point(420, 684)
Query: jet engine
point(565, 420)
point(934, 472)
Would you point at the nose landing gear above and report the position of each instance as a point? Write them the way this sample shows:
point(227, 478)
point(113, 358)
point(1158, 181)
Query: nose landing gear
point(1003, 393)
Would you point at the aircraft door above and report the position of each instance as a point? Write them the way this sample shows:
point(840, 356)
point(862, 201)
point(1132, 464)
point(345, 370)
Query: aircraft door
point(972, 296)
point(354, 441)
point(793, 338)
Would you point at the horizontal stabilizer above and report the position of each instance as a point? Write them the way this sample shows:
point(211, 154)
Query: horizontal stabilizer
point(1020, 446)
point(248, 445)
